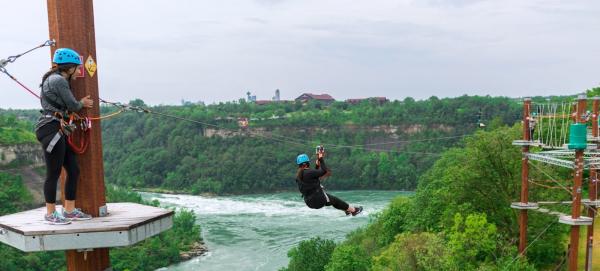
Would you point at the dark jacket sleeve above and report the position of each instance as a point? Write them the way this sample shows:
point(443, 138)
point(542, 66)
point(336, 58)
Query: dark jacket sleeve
point(316, 173)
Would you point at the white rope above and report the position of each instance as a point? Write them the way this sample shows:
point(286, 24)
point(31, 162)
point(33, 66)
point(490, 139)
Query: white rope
point(551, 125)
point(554, 129)
point(541, 125)
point(562, 127)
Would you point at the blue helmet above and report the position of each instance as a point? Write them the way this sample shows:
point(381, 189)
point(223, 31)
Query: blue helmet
point(302, 158)
point(66, 56)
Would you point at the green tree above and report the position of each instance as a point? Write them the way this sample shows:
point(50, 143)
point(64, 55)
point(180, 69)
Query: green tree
point(310, 255)
point(471, 241)
point(414, 251)
point(348, 258)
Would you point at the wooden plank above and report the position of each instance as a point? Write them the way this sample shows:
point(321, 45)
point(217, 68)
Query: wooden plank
point(122, 217)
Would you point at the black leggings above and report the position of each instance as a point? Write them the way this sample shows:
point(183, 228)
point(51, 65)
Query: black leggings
point(61, 156)
point(317, 200)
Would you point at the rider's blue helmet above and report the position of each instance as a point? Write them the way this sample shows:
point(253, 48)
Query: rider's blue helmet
point(302, 158)
point(66, 56)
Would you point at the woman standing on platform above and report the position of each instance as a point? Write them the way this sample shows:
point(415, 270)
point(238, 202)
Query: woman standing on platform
point(309, 184)
point(57, 100)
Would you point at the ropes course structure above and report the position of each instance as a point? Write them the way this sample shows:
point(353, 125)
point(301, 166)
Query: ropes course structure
point(560, 132)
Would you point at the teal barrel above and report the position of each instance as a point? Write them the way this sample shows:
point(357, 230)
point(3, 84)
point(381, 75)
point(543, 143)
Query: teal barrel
point(578, 136)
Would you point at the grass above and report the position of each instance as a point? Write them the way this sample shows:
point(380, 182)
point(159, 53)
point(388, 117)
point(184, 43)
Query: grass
point(596, 247)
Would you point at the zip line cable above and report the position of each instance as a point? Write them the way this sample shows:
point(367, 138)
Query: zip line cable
point(12, 59)
point(272, 137)
point(3, 70)
point(123, 108)
point(530, 244)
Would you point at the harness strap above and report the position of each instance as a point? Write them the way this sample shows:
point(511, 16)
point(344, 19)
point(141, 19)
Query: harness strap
point(325, 194)
point(53, 142)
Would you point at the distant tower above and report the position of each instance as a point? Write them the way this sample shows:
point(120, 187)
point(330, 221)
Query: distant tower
point(277, 97)
point(251, 98)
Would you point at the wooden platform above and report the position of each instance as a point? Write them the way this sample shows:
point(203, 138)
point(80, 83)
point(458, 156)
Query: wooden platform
point(126, 224)
point(524, 206)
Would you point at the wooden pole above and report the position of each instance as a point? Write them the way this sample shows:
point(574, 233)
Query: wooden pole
point(592, 191)
point(71, 25)
point(576, 210)
point(524, 177)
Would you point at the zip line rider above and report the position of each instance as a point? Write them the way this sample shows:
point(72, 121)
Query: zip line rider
point(51, 131)
point(309, 184)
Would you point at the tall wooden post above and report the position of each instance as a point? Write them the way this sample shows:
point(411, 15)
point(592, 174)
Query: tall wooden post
point(592, 190)
point(72, 25)
point(576, 206)
point(524, 177)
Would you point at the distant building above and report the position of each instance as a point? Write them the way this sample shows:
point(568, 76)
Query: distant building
point(250, 97)
point(277, 96)
point(263, 102)
point(325, 98)
point(380, 100)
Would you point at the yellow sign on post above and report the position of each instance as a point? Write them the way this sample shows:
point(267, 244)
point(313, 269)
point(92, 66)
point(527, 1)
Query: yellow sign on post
point(90, 66)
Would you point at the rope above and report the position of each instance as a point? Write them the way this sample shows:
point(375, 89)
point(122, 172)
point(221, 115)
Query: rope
point(530, 244)
point(108, 116)
point(564, 260)
point(3, 70)
point(541, 131)
point(553, 134)
point(84, 142)
point(272, 137)
point(37, 96)
point(12, 59)
point(548, 175)
point(409, 141)
point(562, 126)
point(85, 125)
point(545, 186)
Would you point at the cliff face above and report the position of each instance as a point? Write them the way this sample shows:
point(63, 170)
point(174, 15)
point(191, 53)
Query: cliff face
point(390, 131)
point(31, 153)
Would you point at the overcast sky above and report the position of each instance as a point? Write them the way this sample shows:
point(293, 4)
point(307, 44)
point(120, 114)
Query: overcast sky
point(166, 51)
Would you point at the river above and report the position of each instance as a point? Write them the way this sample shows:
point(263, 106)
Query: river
point(255, 232)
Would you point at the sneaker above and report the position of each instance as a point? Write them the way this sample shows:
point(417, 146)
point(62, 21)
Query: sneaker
point(56, 219)
point(76, 215)
point(357, 210)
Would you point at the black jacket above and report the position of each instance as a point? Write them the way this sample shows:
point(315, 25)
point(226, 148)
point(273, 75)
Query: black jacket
point(310, 179)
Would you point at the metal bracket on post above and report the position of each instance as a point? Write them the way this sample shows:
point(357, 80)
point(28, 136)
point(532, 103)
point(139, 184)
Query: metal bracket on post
point(103, 211)
point(85, 251)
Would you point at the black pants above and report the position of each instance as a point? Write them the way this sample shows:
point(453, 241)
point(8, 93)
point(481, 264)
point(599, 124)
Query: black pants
point(317, 200)
point(60, 156)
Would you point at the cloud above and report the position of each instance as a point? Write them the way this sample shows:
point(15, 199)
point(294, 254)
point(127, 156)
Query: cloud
point(215, 51)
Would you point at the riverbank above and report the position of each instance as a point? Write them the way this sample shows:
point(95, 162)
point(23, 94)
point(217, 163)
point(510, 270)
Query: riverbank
point(196, 250)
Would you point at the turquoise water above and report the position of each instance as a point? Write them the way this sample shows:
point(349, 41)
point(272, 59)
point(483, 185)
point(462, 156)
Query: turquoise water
point(255, 232)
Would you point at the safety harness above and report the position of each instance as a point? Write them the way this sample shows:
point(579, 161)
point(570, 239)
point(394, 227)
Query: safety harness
point(70, 123)
point(320, 188)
